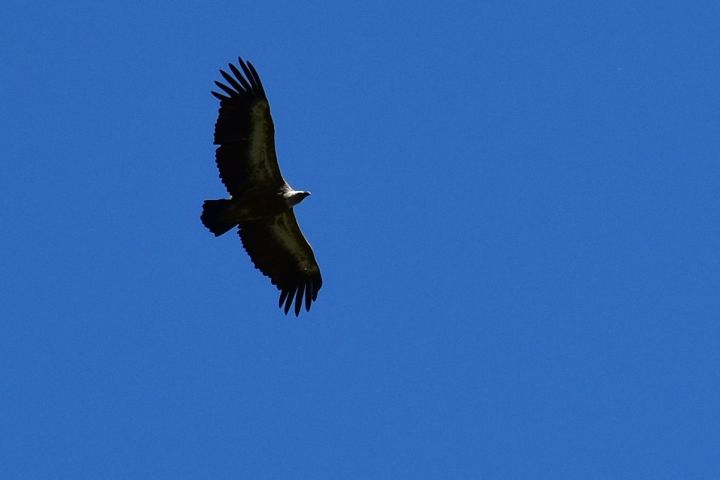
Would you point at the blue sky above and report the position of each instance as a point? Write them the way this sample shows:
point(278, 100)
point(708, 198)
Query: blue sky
point(515, 209)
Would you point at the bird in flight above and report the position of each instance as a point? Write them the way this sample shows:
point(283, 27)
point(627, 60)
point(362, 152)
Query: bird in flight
point(261, 201)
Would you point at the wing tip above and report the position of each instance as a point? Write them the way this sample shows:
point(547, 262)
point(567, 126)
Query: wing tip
point(246, 82)
point(292, 297)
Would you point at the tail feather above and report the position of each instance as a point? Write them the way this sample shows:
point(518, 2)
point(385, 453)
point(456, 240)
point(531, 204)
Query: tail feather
point(213, 216)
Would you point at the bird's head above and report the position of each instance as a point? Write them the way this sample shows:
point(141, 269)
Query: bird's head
point(297, 197)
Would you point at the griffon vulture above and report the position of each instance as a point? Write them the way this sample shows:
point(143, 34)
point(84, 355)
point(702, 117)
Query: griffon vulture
point(261, 202)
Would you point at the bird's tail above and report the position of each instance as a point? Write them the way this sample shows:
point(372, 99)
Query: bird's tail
point(213, 216)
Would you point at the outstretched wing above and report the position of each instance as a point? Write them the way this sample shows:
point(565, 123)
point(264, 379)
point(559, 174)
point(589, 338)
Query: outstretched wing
point(245, 132)
point(280, 251)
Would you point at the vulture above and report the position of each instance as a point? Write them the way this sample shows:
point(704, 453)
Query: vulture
point(261, 201)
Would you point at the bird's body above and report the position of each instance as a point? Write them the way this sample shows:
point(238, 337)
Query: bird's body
point(261, 203)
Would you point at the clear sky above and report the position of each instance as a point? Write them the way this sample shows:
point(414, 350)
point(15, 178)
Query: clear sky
point(515, 208)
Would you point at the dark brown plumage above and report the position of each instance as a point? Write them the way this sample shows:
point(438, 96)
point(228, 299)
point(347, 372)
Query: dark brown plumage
point(261, 202)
